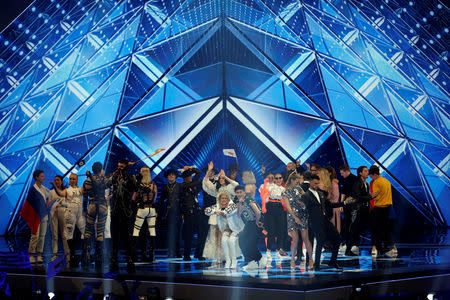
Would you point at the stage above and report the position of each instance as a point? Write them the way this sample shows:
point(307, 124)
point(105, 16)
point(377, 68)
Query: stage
point(419, 269)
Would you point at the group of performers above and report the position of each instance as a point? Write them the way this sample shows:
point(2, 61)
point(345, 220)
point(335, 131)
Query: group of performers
point(297, 207)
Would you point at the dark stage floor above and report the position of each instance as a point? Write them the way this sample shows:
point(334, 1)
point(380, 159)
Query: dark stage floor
point(419, 268)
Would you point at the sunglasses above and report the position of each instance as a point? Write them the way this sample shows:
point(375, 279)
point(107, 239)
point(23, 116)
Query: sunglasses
point(278, 177)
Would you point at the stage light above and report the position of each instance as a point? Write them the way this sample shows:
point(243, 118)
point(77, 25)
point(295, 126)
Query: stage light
point(51, 295)
point(430, 296)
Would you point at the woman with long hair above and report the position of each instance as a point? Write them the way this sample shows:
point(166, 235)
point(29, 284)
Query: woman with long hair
point(334, 198)
point(58, 217)
point(212, 249)
point(273, 207)
point(230, 225)
point(325, 182)
point(248, 178)
point(297, 217)
point(145, 198)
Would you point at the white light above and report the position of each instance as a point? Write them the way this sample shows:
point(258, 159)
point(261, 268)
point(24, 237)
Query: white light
point(430, 296)
point(51, 295)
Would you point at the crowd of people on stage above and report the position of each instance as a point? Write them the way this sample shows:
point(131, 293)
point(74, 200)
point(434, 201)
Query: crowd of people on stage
point(298, 206)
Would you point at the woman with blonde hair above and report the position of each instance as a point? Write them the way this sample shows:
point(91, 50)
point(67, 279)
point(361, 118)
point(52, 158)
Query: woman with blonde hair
point(325, 182)
point(248, 178)
point(297, 217)
point(230, 225)
point(145, 198)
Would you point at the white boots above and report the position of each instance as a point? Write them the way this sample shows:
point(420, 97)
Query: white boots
point(229, 250)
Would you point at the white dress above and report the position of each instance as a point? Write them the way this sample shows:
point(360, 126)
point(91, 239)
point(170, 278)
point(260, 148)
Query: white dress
point(213, 249)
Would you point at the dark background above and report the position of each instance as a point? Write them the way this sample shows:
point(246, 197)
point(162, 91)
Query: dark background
point(10, 9)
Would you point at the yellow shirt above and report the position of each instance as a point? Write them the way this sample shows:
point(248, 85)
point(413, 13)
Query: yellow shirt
point(383, 186)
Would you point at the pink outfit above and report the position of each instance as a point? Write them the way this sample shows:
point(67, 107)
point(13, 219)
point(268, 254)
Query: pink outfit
point(334, 198)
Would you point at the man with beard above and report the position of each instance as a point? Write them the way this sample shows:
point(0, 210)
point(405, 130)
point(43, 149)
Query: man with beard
point(122, 218)
point(319, 211)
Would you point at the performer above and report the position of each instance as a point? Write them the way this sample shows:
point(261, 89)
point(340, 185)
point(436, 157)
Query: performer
point(350, 212)
point(145, 198)
point(57, 217)
point(297, 218)
point(334, 198)
point(292, 167)
point(190, 188)
point(250, 214)
point(225, 185)
point(35, 213)
point(248, 178)
point(122, 214)
point(74, 213)
point(171, 194)
point(230, 225)
point(94, 193)
point(319, 211)
point(382, 206)
point(233, 170)
point(273, 207)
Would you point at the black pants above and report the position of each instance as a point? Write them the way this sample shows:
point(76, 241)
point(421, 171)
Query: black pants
point(345, 228)
point(248, 241)
point(382, 231)
point(173, 232)
point(354, 228)
point(193, 222)
point(274, 223)
point(121, 225)
point(326, 233)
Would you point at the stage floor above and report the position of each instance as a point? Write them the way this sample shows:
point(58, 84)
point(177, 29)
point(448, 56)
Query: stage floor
point(417, 267)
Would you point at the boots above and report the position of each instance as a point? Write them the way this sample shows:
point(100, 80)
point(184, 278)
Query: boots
point(72, 259)
point(98, 254)
point(131, 268)
point(151, 252)
point(226, 252)
point(232, 245)
point(86, 254)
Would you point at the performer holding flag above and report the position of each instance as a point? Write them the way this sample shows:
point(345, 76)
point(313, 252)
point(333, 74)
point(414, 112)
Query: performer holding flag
point(35, 213)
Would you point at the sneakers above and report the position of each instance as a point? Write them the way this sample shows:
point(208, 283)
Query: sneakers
point(279, 255)
point(250, 266)
point(355, 249)
point(262, 262)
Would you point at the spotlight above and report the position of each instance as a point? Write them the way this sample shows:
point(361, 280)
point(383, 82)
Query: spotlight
point(430, 296)
point(51, 295)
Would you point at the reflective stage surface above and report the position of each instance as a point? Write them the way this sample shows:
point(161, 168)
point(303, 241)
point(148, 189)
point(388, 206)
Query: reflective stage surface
point(415, 261)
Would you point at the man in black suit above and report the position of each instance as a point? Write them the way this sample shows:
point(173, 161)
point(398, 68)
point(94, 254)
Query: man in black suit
point(361, 193)
point(320, 211)
point(191, 186)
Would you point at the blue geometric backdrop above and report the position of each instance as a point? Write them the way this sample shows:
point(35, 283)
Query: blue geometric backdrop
point(363, 82)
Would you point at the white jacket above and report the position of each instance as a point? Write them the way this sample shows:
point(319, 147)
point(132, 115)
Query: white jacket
point(229, 219)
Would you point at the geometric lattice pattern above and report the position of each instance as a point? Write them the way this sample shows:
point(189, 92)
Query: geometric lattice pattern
point(80, 80)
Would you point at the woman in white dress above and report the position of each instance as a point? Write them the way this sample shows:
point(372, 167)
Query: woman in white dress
point(230, 225)
point(212, 248)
